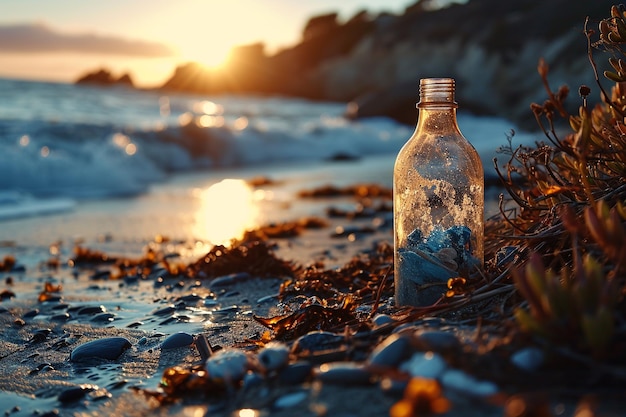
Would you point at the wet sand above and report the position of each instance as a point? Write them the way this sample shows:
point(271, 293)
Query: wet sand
point(40, 334)
point(166, 220)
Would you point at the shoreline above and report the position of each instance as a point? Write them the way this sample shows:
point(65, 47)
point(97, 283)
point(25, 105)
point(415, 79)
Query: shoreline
point(151, 310)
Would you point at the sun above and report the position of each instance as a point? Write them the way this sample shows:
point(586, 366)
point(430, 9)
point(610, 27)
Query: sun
point(227, 209)
point(211, 55)
point(206, 31)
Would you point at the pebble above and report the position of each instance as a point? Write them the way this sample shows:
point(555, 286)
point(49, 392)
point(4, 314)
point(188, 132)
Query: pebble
point(75, 393)
point(460, 382)
point(528, 359)
point(190, 298)
point(436, 340)
point(393, 386)
point(131, 279)
point(30, 314)
point(103, 318)
point(40, 335)
point(60, 317)
point(87, 310)
point(170, 309)
point(382, 319)
point(104, 274)
point(109, 348)
point(351, 373)
point(177, 340)
point(391, 351)
point(317, 341)
point(210, 302)
point(295, 373)
point(228, 364)
point(229, 279)
point(42, 367)
point(425, 364)
point(290, 400)
point(273, 356)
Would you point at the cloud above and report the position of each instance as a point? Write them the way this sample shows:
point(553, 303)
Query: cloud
point(36, 37)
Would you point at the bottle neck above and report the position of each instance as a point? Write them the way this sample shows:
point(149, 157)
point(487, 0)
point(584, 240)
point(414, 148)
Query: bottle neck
point(437, 108)
point(437, 92)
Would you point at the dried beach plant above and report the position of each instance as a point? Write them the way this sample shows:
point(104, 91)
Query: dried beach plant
point(570, 221)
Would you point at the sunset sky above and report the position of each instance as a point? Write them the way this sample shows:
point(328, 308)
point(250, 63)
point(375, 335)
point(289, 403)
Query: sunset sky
point(62, 39)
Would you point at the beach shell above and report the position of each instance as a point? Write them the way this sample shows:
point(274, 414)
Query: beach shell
point(229, 365)
point(177, 340)
point(273, 356)
point(109, 348)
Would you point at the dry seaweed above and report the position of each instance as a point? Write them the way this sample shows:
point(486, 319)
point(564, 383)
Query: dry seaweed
point(309, 317)
point(284, 230)
point(7, 263)
point(568, 223)
point(361, 277)
point(253, 256)
point(358, 190)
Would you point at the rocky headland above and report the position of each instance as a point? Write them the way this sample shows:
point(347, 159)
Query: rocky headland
point(491, 47)
point(104, 77)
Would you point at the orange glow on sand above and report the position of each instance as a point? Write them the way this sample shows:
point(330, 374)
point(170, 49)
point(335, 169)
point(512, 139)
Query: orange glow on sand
point(227, 209)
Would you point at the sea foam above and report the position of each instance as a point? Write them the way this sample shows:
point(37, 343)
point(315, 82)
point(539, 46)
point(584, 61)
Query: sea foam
point(62, 140)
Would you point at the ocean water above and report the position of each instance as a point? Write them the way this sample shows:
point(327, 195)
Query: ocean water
point(86, 142)
point(129, 162)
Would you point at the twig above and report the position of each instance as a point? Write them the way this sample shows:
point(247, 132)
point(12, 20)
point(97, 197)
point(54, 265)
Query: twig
point(379, 293)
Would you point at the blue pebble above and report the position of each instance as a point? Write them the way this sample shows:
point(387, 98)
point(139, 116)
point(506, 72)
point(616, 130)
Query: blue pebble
point(109, 348)
point(177, 340)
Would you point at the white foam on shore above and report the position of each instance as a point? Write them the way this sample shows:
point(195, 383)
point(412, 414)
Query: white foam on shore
point(80, 142)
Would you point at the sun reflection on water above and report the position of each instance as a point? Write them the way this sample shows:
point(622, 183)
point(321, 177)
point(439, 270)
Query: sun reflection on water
point(228, 208)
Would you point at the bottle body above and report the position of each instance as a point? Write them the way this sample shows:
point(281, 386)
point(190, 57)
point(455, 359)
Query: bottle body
point(438, 201)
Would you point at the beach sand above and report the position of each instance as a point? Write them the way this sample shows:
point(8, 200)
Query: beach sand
point(40, 336)
point(168, 218)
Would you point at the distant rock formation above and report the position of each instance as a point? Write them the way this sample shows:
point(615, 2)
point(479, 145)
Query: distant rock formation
point(491, 47)
point(104, 77)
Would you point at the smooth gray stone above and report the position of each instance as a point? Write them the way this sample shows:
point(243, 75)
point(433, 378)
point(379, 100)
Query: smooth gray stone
point(109, 348)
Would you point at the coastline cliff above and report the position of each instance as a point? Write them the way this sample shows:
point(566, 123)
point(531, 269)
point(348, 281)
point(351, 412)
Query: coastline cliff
point(491, 47)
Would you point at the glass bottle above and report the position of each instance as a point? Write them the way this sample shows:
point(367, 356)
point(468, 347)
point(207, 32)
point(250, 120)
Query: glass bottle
point(438, 201)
